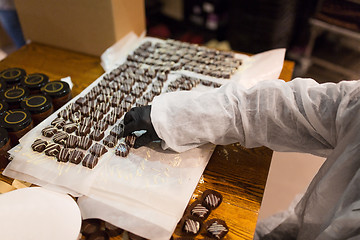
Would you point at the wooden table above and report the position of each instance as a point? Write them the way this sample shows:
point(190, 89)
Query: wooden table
point(239, 174)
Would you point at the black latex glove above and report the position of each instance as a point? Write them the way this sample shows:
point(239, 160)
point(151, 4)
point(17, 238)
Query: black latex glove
point(138, 118)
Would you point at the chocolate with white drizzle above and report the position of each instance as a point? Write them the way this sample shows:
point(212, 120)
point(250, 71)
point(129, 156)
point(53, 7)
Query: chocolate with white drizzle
point(39, 145)
point(216, 228)
point(90, 161)
point(98, 149)
point(49, 131)
point(72, 141)
point(63, 155)
point(191, 226)
point(84, 143)
point(197, 209)
point(211, 199)
point(76, 156)
point(52, 149)
point(60, 137)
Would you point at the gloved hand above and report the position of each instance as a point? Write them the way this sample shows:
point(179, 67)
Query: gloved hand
point(138, 118)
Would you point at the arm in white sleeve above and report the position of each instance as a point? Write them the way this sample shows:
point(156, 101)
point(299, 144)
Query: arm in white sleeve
point(300, 115)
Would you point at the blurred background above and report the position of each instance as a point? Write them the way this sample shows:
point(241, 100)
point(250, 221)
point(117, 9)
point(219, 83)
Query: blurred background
point(321, 36)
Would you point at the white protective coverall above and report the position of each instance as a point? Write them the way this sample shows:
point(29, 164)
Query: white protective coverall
point(298, 116)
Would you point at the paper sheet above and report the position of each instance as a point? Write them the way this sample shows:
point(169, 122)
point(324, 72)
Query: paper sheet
point(151, 187)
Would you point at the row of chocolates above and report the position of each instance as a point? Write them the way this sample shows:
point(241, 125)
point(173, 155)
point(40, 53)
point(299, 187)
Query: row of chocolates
point(176, 55)
point(195, 215)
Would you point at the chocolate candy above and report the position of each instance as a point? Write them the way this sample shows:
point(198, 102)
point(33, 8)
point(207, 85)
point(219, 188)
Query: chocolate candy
point(117, 131)
point(97, 115)
point(130, 140)
point(60, 137)
point(122, 150)
point(110, 141)
point(52, 149)
point(97, 135)
point(141, 102)
point(101, 125)
point(216, 228)
point(85, 111)
point(130, 99)
point(72, 141)
point(65, 114)
point(49, 131)
point(84, 143)
point(76, 156)
point(118, 111)
point(75, 117)
point(64, 154)
point(191, 226)
point(125, 106)
point(197, 209)
point(83, 130)
point(81, 101)
point(115, 102)
point(39, 145)
point(206, 82)
point(112, 230)
point(111, 118)
point(212, 199)
point(90, 161)
point(58, 123)
point(89, 226)
point(86, 122)
point(70, 127)
point(99, 235)
point(103, 107)
point(73, 107)
point(98, 150)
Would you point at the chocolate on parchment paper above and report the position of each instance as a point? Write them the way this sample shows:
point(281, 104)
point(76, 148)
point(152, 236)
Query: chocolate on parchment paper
point(72, 141)
point(98, 149)
point(58, 123)
point(90, 161)
point(52, 149)
point(64, 154)
point(60, 137)
point(76, 156)
point(97, 134)
point(85, 142)
point(49, 131)
point(110, 141)
point(122, 150)
point(39, 145)
point(130, 140)
point(83, 130)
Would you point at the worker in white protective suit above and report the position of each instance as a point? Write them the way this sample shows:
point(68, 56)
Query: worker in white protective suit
point(298, 116)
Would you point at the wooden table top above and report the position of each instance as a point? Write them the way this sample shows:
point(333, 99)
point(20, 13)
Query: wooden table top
point(239, 174)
